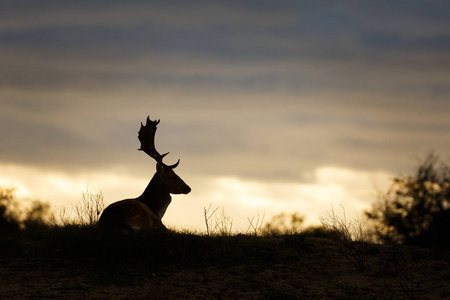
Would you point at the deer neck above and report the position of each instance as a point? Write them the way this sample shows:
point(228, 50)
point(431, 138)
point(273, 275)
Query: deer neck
point(156, 197)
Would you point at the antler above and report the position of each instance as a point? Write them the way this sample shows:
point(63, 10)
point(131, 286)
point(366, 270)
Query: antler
point(146, 136)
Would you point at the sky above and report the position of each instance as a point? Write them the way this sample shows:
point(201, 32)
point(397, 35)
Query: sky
point(272, 106)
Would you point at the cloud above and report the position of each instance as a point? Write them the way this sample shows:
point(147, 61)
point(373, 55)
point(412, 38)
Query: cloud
point(246, 135)
point(240, 198)
point(256, 93)
point(198, 15)
point(220, 48)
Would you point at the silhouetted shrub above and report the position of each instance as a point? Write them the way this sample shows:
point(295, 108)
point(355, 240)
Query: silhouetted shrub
point(9, 221)
point(14, 216)
point(416, 209)
point(37, 215)
point(350, 236)
point(89, 209)
point(284, 224)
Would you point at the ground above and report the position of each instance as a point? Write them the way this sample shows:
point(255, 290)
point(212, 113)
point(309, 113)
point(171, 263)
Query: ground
point(71, 265)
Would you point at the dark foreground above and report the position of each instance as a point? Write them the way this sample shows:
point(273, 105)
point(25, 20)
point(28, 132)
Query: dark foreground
point(82, 263)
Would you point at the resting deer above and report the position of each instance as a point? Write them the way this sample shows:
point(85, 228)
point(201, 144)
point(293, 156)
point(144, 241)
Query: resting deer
point(146, 211)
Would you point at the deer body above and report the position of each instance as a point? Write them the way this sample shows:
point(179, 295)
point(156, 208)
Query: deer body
point(129, 215)
point(146, 211)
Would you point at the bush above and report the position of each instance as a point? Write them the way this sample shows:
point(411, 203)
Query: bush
point(416, 209)
point(284, 224)
point(9, 220)
point(14, 217)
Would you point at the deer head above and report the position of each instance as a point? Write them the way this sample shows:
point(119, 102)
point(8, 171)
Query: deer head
point(168, 180)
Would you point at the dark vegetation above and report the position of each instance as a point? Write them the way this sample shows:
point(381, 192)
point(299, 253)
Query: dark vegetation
point(81, 262)
point(13, 217)
point(416, 209)
point(278, 259)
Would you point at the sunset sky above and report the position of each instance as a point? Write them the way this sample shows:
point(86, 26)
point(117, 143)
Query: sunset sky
point(272, 106)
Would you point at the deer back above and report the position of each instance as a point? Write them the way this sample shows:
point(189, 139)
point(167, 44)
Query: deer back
point(129, 215)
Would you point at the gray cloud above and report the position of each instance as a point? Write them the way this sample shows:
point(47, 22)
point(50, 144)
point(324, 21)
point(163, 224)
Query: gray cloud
point(265, 91)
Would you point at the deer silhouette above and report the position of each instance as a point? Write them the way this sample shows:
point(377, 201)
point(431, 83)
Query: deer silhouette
point(146, 211)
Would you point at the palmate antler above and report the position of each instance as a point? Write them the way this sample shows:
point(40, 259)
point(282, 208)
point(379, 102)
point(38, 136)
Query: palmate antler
point(146, 136)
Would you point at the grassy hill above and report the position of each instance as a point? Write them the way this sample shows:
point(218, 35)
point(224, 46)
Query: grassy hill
point(83, 263)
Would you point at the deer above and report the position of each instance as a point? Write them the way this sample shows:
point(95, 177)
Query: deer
point(145, 212)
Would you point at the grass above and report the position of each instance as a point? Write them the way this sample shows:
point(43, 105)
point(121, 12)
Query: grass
point(326, 262)
point(141, 253)
point(350, 236)
point(306, 265)
point(85, 213)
